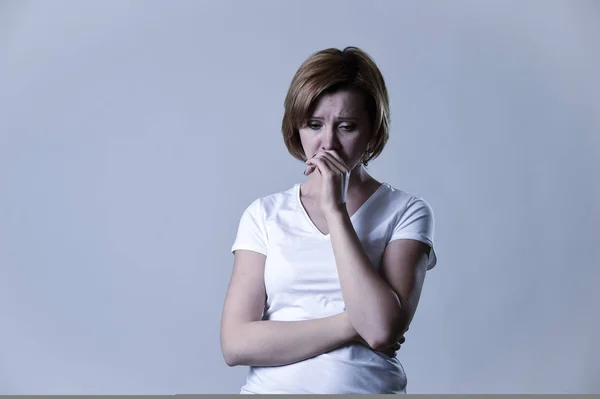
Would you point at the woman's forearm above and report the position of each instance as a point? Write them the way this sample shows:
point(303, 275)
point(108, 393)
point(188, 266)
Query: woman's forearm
point(277, 343)
point(373, 307)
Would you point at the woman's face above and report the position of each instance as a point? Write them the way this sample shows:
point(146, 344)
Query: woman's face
point(339, 122)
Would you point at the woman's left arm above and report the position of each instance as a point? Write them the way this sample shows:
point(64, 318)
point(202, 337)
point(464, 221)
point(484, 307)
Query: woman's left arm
point(380, 306)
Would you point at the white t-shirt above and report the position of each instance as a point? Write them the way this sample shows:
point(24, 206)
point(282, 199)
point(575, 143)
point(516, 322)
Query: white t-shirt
point(302, 283)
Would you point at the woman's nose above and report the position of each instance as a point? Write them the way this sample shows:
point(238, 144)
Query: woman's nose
point(329, 140)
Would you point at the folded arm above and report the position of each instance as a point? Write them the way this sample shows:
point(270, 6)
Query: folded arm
point(249, 341)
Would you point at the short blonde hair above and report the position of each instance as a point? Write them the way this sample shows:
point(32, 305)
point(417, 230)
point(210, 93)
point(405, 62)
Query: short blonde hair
point(329, 70)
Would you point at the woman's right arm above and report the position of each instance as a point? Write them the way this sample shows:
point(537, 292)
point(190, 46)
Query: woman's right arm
point(246, 340)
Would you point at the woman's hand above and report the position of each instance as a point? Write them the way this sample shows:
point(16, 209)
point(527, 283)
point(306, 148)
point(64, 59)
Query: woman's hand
point(390, 352)
point(334, 178)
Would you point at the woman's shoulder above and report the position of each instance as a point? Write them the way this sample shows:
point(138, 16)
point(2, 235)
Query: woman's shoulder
point(402, 197)
point(405, 204)
point(269, 203)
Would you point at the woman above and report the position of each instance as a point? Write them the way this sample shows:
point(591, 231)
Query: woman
point(327, 274)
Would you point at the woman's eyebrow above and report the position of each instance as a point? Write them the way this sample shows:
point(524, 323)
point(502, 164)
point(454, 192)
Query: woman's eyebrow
point(348, 118)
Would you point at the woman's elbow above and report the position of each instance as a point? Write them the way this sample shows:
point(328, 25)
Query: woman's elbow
point(229, 350)
point(387, 336)
point(230, 355)
point(380, 342)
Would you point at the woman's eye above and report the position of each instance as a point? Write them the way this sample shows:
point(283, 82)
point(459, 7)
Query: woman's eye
point(313, 125)
point(347, 127)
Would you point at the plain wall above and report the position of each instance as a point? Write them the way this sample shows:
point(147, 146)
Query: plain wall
point(134, 133)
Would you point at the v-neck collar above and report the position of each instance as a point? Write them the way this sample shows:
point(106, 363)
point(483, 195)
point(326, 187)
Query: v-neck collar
point(358, 211)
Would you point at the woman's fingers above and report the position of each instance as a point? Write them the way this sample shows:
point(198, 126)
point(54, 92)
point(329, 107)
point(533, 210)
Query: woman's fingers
point(309, 169)
point(317, 163)
point(336, 160)
point(333, 164)
point(331, 160)
point(390, 352)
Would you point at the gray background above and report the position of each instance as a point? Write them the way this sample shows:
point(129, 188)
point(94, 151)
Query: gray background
point(134, 133)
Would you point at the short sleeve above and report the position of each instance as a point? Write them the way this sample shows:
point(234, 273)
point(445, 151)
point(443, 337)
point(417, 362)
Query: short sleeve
point(417, 222)
point(251, 232)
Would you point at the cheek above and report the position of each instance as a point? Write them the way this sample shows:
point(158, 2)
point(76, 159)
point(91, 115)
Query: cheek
point(353, 145)
point(354, 149)
point(309, 142)
point(347, 152)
